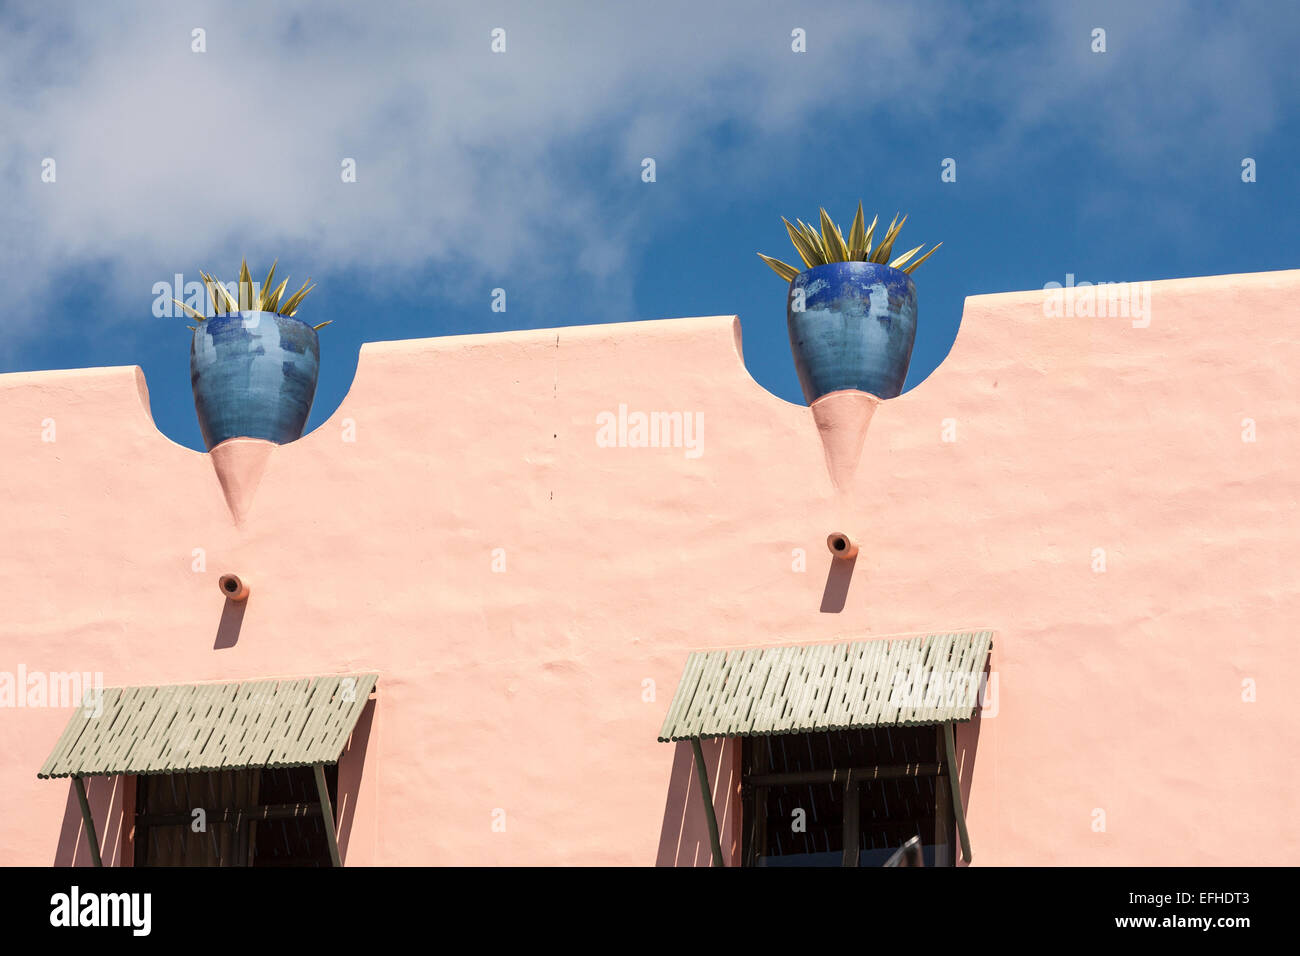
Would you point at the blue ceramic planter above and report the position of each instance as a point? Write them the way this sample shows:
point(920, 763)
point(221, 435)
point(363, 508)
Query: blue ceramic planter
point(856, 329)
point(254, 376)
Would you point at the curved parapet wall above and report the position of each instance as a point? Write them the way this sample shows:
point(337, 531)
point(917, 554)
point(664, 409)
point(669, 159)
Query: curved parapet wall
point(526, 533)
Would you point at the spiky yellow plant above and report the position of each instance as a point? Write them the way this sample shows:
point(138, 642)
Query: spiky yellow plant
point(829, 245)
point(265, 298)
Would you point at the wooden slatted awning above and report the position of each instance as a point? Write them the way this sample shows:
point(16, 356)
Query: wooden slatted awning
point(811, 688)
point(933, 679)
point(182, 728)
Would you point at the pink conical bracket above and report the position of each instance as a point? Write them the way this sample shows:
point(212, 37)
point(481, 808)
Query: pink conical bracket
point(842, 419)
point(239, 463)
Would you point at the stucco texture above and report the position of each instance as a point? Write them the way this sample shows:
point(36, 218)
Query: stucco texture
point(527, 689)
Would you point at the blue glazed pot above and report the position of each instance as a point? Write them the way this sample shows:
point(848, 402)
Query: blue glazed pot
point(856, 329)
point(254, 376)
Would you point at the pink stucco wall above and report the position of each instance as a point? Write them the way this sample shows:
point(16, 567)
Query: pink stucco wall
point(527, 690)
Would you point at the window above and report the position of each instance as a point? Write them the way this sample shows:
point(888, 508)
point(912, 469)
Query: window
point(808, 796)
point(258, 817)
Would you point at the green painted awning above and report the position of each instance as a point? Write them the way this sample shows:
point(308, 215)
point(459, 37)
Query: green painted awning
point(932, 679)
point(187, 728)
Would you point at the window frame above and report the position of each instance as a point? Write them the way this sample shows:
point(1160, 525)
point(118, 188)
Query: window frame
point(243, 819)
point(758, 778)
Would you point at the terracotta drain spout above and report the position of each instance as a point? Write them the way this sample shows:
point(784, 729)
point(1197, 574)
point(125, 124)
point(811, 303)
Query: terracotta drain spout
point(233, 588)
point(842, 545)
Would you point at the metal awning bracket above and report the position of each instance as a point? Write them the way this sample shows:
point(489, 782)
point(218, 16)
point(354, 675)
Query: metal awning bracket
point(327, 814)
point(89, 821)
point(707, 795)
point(950, 755)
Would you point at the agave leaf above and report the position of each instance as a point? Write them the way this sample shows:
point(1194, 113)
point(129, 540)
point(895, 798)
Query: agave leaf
point(834, 242)
point(285, 305)
point(814, 242)
point(783, 269)
point(209, 283)
point(799, 238)
point(222, 300)
point(232, 304)
point(866, 242)
point(295, 300)
point(191, 312)
point(801, 246)
point(267, 285)
point(857, 236)
point(290, 307)
point(898, 263)
point(272, 303)
point(815, 239)
point(913, 266)
point(827, 229)
point(247, 300)
point(881, 250)
point(218, 300)
point(875, 253)
point(315, 328)
point(887, 244)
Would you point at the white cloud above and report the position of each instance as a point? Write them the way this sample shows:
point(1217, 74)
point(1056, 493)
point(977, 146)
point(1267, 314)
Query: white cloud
point(171, 160)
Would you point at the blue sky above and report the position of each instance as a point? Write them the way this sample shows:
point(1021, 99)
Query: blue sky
point(522, 170)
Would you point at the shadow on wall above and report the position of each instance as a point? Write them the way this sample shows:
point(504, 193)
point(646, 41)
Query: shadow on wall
point(232, 619)
point(966, 742)
point(684, 838)
point(351, 764)
point(838, 579)
point(106, 796)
